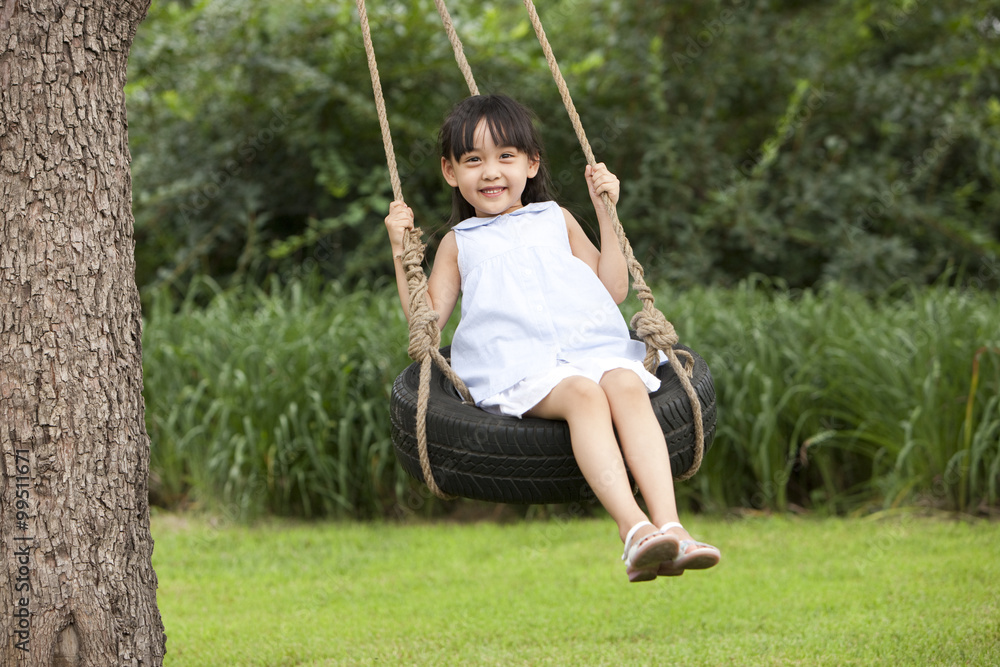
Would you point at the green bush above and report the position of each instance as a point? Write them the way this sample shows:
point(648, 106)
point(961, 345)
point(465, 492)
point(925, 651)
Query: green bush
point(851, 141)
point(277, 401)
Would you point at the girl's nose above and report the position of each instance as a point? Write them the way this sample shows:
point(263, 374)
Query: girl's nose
point(491, 171)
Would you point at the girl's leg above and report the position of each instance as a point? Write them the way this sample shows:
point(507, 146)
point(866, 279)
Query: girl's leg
point(643, 444)
point(584, 406)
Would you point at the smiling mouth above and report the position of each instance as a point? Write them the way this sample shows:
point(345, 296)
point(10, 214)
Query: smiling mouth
point(492, 192)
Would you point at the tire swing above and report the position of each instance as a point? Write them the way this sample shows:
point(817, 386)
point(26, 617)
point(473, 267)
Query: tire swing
point(457, 449)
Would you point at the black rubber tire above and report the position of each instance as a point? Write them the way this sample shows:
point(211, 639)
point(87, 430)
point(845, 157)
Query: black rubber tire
point(478, 455)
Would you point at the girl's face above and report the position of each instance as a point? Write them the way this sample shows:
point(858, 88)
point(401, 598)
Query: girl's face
point(490, 177)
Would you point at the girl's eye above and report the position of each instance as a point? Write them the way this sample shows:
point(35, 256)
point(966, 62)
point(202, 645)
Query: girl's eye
point(471, 158)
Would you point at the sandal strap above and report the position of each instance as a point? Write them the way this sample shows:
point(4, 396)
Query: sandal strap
point(687, 544)
point(631, 533)
point(667, 526)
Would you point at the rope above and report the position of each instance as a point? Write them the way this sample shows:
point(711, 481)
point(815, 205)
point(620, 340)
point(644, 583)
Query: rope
point(425, 336)
point(425, 341)
point(650, 324)
point(383, 120)
point(456, 45)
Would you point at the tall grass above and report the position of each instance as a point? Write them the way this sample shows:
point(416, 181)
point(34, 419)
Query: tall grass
point(276, 400)
point(837, 400)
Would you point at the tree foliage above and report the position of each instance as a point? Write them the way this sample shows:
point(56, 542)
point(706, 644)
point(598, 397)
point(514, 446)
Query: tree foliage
point(851, 141)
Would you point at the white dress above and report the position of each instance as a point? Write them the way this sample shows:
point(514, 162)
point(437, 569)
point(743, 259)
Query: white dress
point(533, 314)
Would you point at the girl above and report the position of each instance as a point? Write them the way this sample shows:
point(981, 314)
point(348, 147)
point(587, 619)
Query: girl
point(540, 332)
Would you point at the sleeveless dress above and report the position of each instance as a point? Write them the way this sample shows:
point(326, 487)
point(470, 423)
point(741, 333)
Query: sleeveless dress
point(532, 313)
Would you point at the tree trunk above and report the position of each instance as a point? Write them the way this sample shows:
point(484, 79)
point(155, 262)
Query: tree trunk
point(77, 586)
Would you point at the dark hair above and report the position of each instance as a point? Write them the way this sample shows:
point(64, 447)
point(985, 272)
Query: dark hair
point(510, 124)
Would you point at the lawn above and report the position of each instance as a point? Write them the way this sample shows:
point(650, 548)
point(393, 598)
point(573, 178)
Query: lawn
point(899, 590)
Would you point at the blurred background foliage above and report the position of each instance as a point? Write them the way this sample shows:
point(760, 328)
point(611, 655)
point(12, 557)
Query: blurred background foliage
point(847, 140)
point(811, 186)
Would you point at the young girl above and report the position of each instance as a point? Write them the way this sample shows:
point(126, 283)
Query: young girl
point(540, 332)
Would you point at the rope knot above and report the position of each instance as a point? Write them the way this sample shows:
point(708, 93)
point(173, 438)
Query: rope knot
point(650, 324)
point(654, 328)
point(424, 334)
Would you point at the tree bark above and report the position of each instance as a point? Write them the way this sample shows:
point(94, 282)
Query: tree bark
point(77, 586)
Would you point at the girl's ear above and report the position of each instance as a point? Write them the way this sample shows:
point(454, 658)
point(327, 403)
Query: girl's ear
point(448, 170)
point(533, 165)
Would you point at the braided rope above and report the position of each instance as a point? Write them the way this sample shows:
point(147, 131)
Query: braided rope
point(425, 336)
point(456, 45)
point(383, 120)
point(650, 324)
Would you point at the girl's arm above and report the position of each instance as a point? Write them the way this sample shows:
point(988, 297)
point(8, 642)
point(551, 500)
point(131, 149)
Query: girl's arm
point(444, 282)
point(609, 262)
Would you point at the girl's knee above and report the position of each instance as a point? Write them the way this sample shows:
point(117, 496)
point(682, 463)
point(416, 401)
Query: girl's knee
point(586, 394)
point(622, 381)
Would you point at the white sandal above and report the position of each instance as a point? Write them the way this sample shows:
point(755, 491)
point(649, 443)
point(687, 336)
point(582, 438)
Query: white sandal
point(644, 558)
point(691, 555)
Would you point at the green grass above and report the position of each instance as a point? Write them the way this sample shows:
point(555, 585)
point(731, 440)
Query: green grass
point(894, 591)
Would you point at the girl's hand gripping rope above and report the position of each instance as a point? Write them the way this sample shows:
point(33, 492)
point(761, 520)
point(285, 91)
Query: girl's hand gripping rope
point(599, 181)
point(399, 220)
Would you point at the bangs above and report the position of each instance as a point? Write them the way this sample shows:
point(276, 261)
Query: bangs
point(509, 124)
